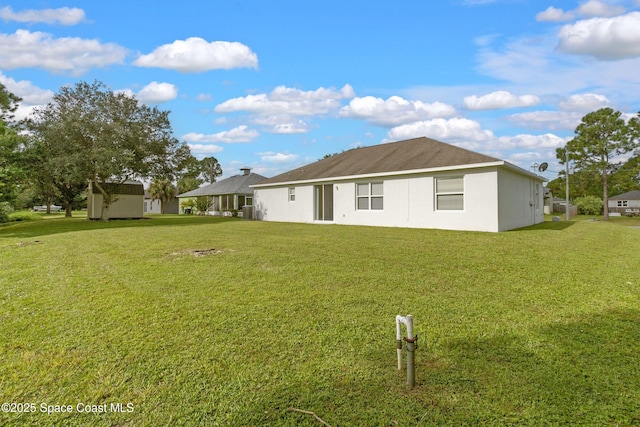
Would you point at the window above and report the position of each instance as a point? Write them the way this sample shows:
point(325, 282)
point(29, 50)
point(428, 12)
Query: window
point(450, 194)
point(292, 194)
point(369, 196)
point(622, 203)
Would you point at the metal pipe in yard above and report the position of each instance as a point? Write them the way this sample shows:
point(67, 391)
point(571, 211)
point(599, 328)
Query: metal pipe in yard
point(411, 347)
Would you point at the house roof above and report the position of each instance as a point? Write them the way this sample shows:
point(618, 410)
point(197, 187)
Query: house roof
point(237, 184)
point(630, 195)
point(408, 155)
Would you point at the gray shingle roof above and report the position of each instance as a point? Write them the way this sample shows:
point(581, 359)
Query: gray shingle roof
point(630, 195)
point(237, 184)
point(411, 154)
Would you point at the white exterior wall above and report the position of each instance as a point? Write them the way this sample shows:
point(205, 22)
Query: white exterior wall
point(409, 201)
point(631, 204)
point(521, 200)
point(152, 206)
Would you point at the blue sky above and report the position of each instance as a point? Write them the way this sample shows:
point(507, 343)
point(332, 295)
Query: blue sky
point(277, 84)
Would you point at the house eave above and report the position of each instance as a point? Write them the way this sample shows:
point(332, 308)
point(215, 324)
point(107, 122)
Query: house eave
point(400, 173)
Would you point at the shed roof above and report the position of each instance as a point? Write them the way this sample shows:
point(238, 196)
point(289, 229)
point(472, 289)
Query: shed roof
point(408, 155)
point(629, 195)
point(128, 187)
point(237, 184)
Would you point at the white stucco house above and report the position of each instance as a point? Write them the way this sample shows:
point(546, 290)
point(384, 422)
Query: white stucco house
point(418, 183)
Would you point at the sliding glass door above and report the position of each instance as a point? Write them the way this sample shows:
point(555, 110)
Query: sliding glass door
point(323, 200)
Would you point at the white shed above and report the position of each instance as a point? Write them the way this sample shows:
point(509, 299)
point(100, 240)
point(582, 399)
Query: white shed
point(418, 183)
point(128, 201)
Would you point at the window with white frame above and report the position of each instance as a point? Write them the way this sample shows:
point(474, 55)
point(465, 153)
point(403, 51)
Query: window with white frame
point(623, 203)
point(450, 193)
point(369, 196)
point(292, 194)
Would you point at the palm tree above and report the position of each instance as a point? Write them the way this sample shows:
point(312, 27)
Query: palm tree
point(163, 190)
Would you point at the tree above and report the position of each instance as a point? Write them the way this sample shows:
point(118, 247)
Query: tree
point(211, 169)
point(187, 174)
point(602, 136)
point(91, 134)
point(203, 204)
point(11, 148)
point(589, 205)
point(163, 190)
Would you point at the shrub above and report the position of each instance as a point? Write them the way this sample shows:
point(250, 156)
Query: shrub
point(5, 210)
point(24, 216)
point(589, 205)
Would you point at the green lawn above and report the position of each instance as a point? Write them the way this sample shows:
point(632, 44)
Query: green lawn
point(210, 321)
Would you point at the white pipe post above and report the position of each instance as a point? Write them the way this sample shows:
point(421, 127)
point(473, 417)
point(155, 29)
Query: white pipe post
point(399, 320)
point(411, 346)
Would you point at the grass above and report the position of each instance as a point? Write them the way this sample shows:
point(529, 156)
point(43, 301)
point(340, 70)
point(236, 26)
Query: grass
point(213, 321)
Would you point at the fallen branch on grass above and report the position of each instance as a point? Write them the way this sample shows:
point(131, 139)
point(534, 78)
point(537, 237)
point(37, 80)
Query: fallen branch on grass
point(310, 413)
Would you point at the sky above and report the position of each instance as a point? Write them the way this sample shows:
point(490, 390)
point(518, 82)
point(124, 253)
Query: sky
point(278, 84)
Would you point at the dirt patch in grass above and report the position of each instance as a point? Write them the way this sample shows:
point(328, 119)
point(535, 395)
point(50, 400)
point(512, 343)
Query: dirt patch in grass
point(201, 252)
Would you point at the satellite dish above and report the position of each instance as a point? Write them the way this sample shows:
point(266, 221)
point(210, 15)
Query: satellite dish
point(543, 167)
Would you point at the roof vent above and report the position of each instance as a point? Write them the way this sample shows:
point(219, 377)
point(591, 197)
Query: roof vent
point(245, 170)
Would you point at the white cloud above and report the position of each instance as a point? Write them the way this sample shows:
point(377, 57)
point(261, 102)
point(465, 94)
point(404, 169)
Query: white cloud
point(498, 100)
point(552, 14)
point(235, 135)
point(202, 150)
point(554, 120)
point(204, 97)
point(273, 157)
point(596, 8)
point(394, 111)
point(197, 55)
point(606, 39)
point(63, 15)
point(282, 124)
point(155, 93)
point(450, 131)
point(589, 9)
point(289, 101)
point(74, 55)
point(585, 102)
point(527, 141)
point(30, 94)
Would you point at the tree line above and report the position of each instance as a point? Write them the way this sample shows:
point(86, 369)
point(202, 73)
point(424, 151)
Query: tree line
point(604, 155)
point(90, 134)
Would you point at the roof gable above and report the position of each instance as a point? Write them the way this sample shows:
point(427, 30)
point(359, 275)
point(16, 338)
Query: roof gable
point(412, 154)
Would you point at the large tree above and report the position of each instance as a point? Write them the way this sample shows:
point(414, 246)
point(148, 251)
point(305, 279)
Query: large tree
point(89, 133)
point(211, 169)
point(600, 139)
point(11, 148)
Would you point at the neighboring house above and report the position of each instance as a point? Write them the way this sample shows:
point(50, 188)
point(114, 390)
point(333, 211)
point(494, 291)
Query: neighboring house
point(155, 206)
point(625, 203)
point(421, 183)
point(230, 194)
point(128, 200)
